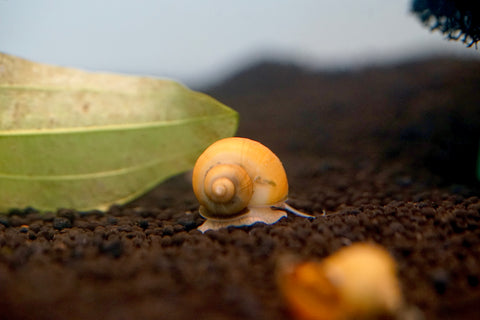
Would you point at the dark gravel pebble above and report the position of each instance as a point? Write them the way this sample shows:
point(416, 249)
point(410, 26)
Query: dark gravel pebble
point(60, 223)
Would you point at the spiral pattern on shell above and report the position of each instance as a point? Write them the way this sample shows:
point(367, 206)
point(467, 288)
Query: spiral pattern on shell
point(229, 189)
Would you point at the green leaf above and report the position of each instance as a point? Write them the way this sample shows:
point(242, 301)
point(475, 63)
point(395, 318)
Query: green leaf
point(74, 139)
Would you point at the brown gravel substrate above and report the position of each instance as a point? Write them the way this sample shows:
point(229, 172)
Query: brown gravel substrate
point(386, 152)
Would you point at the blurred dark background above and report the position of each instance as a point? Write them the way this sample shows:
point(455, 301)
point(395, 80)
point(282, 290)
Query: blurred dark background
point(423, 112)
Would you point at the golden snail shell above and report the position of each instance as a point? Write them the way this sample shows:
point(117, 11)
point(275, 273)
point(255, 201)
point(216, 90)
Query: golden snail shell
point(239, 182)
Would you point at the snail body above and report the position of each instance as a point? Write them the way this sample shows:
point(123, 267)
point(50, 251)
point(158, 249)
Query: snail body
point(239, 182)
point(356, 282)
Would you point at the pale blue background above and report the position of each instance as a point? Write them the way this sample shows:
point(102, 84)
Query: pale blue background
point(199, 42)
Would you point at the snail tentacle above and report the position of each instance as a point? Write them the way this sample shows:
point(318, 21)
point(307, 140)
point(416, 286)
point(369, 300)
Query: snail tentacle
point(289, 209)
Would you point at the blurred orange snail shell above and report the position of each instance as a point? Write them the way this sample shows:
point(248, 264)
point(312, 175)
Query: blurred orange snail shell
point(239, 182)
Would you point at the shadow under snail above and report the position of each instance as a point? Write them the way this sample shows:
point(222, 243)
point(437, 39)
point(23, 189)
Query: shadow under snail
point(239, 182)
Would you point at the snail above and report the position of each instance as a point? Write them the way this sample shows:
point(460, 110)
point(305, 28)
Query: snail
point(239, 182)
point(356, 282)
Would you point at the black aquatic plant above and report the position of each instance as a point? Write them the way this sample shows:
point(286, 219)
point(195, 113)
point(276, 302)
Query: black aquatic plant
point(458, 19)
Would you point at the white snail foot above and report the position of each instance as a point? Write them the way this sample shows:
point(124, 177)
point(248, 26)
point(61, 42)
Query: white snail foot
point(266, 215)
point(285, 207)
